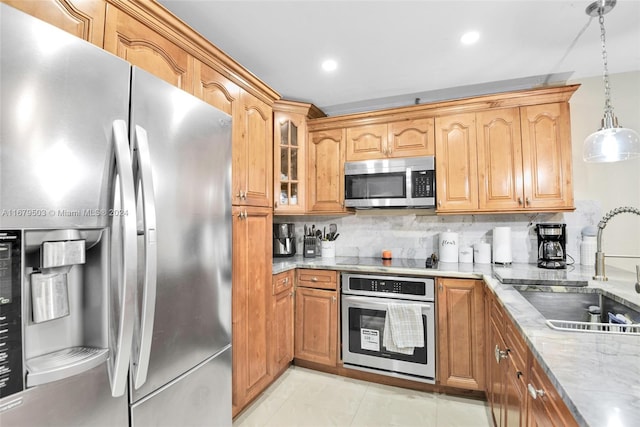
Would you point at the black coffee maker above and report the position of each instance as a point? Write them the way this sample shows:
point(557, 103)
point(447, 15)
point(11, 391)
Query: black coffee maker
point(552, 244)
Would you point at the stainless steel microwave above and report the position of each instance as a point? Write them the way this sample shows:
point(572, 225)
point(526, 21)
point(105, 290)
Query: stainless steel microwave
point(390, 183)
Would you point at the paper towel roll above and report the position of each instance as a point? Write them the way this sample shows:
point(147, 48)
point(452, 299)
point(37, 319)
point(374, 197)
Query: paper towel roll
point(482, 253)
point(502, 245)
point(448, 247)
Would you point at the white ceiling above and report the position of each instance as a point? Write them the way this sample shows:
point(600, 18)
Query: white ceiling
point(392, 52)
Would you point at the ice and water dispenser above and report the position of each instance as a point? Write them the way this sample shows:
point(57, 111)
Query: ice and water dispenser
point(55, 300)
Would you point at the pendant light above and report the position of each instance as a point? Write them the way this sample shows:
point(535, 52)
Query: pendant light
point(612, 143)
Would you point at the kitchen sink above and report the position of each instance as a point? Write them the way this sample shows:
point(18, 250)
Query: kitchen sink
point(571, 310)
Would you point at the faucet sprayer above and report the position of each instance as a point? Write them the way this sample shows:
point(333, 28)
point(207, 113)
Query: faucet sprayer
point(600, 274)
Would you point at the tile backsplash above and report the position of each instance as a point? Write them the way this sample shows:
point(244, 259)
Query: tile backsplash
point(415, 235)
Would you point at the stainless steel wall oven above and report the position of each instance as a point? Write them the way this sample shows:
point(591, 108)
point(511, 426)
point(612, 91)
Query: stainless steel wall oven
point(365, 301)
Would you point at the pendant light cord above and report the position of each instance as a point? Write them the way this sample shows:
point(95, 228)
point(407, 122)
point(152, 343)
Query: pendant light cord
point(605, 76)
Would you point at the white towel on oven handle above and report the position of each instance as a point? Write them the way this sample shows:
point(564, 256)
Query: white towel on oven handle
point(403, 328)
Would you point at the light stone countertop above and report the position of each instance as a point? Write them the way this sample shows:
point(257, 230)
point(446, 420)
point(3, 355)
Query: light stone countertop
point(596, 374)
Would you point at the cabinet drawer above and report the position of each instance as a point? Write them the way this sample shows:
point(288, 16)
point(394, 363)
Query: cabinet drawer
point(282, 282)
point(320, 279)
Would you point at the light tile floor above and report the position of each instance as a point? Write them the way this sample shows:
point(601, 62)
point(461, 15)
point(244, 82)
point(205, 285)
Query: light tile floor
point(303, 397)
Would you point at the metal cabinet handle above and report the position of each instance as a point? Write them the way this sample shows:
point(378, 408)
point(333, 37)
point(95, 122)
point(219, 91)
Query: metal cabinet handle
point(533, 392)
point(333, 299)
point(439, 203)
point(527, 201)
point(520, 201)
point(500, 354)
point(314, 279)
point(518, 374)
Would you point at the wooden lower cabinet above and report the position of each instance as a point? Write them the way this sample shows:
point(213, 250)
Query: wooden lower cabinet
point(461, 331)
point(282, 327)
point(252, 303)
point(546, 408)
point(514, 377)
point(316, 324)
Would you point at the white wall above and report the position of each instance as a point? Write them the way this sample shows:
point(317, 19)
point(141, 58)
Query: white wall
point(611, 184)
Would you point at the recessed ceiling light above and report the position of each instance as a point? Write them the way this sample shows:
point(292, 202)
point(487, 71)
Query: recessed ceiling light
point(470, 37)
point(329, 65)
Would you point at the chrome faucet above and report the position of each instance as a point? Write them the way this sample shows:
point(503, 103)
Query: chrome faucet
point(600, 274)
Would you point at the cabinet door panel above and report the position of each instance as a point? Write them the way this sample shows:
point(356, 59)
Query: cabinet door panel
point(283, 330)
point(215, 89)
point(252, 298)
point(325, 169)
point(289, 162)
point(316, 326)
point(82, 18)
point(546, 148)
point(461, 333)
point(456, 163)
point(143, 47)
point(499, 159)
point(366, 142)
point(411, 138)
point(253, 155)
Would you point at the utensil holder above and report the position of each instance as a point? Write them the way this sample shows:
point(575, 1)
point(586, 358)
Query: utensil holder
point(328, 249)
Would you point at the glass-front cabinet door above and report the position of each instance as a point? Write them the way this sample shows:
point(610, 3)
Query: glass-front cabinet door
point(289, 164)
point(289, 156)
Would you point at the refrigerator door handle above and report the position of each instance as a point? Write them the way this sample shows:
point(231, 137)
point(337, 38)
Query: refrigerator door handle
point(144, 330)
point(119, 362)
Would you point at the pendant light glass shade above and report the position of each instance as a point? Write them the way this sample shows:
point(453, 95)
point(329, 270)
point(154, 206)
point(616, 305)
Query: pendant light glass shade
point(611, 143)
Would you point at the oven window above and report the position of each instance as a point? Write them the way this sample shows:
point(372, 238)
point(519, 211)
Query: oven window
point(366, 329)
point(389, 185)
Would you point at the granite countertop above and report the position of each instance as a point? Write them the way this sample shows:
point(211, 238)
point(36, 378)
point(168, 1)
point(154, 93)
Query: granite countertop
point(597, 375)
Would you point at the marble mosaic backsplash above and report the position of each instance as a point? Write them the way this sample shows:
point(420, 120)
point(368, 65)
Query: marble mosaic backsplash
point(415, 235)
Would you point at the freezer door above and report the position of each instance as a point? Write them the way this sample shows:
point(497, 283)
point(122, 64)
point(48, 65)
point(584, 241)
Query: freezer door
point(202, 397)
point(189, 145)
point(59, 97)
point(82, 400)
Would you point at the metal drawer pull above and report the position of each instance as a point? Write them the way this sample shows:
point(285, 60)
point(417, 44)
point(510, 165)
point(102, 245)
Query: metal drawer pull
point(500, 354)
point(533, 392)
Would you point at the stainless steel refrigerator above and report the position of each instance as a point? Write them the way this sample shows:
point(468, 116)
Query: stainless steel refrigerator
point(115, 240)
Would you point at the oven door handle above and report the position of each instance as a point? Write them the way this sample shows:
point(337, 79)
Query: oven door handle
point(366, 302)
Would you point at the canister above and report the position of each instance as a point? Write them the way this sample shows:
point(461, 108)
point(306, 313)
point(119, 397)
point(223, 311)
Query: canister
point(448, 247)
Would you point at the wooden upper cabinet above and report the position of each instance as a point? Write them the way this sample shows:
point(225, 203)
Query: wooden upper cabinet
point(142, 46)
point(523, 160)
point(366, 142)
point(456, 163)
point(82, 18)
point(406, 138)
point(215, 89)
point(411, 138)
point(499, 160)
point(546, 150)
point(325, 171)
point(252, 153)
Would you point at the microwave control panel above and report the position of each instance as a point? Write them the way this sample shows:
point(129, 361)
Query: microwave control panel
point(422, 184)
point(11, 379)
